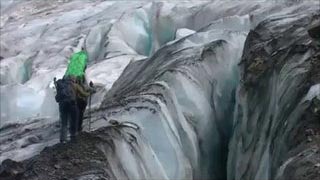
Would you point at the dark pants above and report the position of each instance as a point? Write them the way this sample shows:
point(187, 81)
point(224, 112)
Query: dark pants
point(82, 104)
point(68, 115)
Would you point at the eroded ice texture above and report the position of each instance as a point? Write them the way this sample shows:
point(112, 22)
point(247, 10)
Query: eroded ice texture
point(178, 69)
point(276, 104)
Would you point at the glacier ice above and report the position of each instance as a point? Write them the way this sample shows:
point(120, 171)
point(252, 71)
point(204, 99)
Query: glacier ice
point(20, 103)
point(183, 32)
point(15, 69)
point(171, 68)
point(273, 103)
point(94, 41)
point(176, 123)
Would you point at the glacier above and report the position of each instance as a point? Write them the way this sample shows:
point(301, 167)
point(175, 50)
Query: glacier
point(186, 90)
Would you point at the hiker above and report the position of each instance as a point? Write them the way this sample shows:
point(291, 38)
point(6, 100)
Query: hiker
point(77, 68)
point(66, 97)
point(70, 93)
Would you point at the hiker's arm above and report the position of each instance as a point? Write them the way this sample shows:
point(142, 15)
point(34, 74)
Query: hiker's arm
point(80, 90)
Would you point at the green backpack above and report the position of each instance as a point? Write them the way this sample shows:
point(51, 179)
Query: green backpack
point(77, 64)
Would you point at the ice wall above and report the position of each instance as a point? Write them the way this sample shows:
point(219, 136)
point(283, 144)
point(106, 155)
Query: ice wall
point(276, 101)
point(174, 98)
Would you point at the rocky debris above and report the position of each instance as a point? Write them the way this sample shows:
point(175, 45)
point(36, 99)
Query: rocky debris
point(64, 161)
point(97, 155)
point(10, 170)
point(304, 167)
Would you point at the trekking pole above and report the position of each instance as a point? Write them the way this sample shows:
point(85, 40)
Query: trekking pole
point(90, 113)
point(91, 85)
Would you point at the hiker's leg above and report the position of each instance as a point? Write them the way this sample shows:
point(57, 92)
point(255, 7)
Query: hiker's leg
point(73, 120)
point(63, 122)
point(82, 107)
